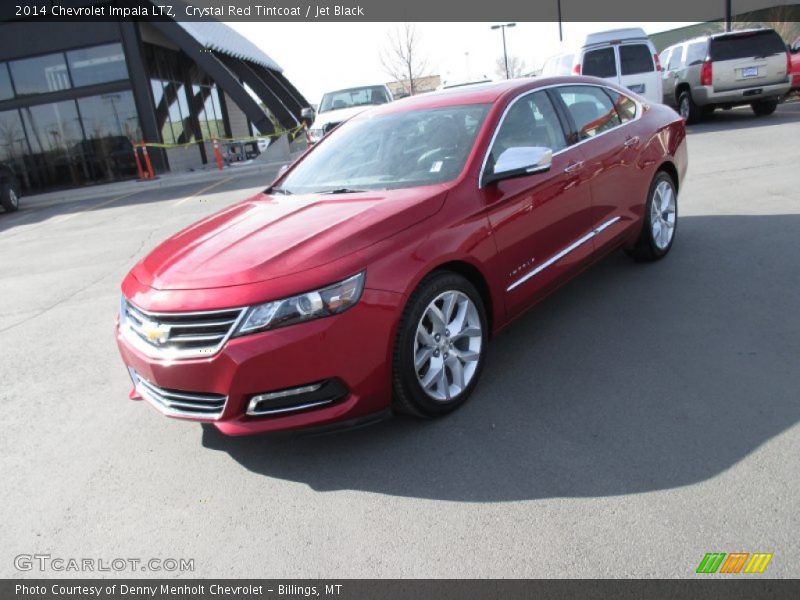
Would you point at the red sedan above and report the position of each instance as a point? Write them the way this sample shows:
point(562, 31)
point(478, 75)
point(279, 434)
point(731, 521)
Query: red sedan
point(371, 274)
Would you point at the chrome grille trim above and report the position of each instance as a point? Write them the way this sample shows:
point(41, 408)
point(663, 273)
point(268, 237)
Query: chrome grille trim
point(173, 403)
point(185, 334)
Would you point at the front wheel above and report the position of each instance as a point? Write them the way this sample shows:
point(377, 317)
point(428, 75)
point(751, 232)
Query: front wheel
point(9, 197)
point(440, 346)
point(660, 220)
point(764, 108)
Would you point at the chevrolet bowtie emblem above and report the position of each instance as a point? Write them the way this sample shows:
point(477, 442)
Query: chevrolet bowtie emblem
point(156, 333)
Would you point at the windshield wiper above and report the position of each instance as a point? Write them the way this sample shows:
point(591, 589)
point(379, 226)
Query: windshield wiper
point(342, 190)
point(279, 190)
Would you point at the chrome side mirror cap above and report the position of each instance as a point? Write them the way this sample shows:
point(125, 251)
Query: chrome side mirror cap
point(521, 161)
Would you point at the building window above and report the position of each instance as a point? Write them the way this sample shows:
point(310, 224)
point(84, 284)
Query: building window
point(172, 111)
point(6, 91)
point(13, 144)
point(110, 124)
point(40, 74)
point(210, 114)
point(99, 64)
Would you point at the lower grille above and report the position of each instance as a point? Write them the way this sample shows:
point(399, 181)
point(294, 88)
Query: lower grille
point(175, 403)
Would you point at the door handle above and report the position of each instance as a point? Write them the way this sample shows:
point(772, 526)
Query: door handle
point(632, 142)
point(572, 167)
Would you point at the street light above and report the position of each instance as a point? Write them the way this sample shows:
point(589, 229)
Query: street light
point(502, 28)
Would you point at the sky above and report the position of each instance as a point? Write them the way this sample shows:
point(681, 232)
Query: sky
point(319, 57)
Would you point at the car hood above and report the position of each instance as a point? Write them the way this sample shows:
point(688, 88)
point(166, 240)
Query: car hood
point(266, 237)
point(337, 116)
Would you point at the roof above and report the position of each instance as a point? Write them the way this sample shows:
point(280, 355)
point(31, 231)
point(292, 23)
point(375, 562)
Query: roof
point(221, 38)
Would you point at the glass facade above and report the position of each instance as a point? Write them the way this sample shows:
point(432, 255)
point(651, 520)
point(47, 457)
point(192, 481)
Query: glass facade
point(40, 74)
point(6, 91)
point(99, 64)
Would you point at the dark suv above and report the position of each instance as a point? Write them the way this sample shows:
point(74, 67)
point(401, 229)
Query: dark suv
point(9, 188)
point(726, 70)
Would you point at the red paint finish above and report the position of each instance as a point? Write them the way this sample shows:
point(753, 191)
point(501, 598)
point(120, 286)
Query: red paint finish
point(272, 247)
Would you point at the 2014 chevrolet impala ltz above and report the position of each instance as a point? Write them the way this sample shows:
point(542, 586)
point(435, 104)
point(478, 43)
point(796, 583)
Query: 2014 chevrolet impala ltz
point(373, 272)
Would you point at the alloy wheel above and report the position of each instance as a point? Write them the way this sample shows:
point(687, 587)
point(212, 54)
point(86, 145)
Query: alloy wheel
point(447, 345)
point(662, 214)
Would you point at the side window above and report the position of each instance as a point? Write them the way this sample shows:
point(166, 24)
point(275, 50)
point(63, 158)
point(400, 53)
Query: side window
point(635, 58)
point(696, 53)
point(626, 108)
point(591, 109)
point(675, 60)
point(531, 121)
point(600, 63)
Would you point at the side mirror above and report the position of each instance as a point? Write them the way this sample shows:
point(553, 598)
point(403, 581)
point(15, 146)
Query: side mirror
point(518, 162)
point(282, 170)
point(307, 115)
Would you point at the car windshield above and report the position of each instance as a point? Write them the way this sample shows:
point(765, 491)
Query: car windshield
point(390, 151)
point(361, 96)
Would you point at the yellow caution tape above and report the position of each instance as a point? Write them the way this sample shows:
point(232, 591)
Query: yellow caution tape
point(277, 134)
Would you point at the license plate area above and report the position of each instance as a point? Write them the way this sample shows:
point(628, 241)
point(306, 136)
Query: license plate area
point(748, 72)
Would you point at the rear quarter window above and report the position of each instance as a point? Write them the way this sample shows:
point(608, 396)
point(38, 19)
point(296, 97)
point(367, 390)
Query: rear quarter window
point(625, 107)
point(696, 53)
point(747, 45)
point(635, 58)
point(599, 63)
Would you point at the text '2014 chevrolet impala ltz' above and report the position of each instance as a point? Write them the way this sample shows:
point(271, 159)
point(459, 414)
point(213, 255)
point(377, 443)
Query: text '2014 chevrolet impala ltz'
point(373, 272)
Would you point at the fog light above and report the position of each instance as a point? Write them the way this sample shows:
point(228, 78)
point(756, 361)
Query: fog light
point(296, 399)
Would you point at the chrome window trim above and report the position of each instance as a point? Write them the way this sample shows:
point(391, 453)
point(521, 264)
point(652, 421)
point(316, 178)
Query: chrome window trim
point(639, 111)
point(167, 354)
point(562, 253)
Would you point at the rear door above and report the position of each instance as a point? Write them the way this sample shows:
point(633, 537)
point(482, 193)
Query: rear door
point(637, 70)
point(748, 59)
point(672, 71)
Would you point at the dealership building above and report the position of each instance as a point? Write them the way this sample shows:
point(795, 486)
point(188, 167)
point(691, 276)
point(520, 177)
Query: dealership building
point(75, 97)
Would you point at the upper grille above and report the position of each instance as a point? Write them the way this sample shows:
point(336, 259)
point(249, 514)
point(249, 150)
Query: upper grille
point(178, 335)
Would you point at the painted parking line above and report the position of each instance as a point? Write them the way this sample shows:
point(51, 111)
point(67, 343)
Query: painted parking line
point(62, 218)
point(203, 190)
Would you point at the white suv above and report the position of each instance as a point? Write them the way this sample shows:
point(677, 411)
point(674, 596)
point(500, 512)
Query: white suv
point(623, 56)
point(340, 105)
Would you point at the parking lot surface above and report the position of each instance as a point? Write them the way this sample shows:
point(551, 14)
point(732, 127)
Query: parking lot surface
point(639, 418)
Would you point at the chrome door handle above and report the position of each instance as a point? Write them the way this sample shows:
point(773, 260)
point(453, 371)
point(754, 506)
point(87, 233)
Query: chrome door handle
point(573, 167)
point(632, 142)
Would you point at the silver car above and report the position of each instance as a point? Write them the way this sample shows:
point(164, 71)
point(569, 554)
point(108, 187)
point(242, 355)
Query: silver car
point(724, 70)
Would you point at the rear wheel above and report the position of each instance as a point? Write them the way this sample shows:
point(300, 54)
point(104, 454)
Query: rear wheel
point(660, 220)
point(687, 108)
point(764, 108)
point(9, 197)
point(440, 346)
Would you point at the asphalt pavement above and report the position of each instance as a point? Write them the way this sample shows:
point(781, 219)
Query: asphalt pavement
point(639, 418)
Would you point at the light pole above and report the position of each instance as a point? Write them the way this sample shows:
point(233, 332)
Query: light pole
point(502, 28)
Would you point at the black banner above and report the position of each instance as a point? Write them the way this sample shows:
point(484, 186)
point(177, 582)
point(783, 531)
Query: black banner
point(394, 589)
point(387, 10)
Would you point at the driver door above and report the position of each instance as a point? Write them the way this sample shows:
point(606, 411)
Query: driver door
point(538, 220)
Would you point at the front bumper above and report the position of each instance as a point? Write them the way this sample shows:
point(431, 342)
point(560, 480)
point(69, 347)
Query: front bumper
point(705, 95)
point(353, 349)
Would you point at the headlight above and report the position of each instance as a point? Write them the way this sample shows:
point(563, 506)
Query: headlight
point(315, 135)
point(311, 305)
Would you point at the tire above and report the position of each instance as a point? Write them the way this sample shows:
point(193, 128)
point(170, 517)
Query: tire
point(422, 388)
point(687, 108)
point(764, 108)
point(659, 227)
point(9, 197)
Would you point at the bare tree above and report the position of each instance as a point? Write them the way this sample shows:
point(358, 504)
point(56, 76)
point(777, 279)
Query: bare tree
point(402, 59)
point(516, 67)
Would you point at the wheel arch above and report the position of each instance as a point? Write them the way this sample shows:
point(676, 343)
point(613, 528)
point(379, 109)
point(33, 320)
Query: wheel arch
point(474, 275)
point(679, 89)
point(669, 168)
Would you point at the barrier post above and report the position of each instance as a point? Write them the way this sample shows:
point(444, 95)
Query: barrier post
point(218, 155)
point(150, 173)
point(138, 162)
